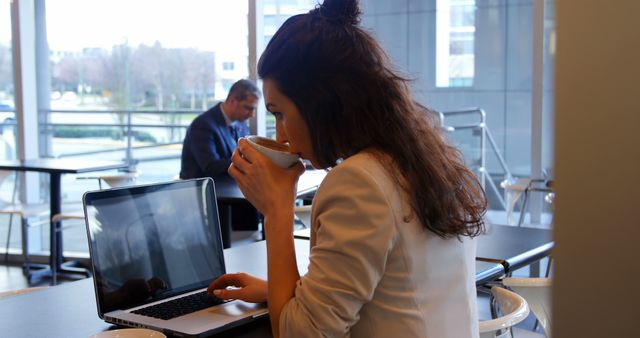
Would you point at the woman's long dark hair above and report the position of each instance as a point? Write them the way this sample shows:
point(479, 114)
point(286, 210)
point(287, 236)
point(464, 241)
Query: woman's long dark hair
point(340, 80)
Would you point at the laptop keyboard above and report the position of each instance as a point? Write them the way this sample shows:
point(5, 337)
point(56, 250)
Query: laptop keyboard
point(180, 306)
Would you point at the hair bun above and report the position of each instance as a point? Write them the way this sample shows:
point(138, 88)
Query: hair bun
point(340, 11)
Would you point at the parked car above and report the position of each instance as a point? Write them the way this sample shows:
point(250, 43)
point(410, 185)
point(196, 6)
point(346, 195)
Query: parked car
point(7, 116)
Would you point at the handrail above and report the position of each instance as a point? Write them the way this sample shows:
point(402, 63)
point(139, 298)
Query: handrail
point(485, 134)
point(119, 125)
point(128, 127)
point(494, 146)
point(156, 145)
point(116, 111)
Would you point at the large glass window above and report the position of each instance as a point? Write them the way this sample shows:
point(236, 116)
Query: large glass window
point(463, 54)
point(7, 103)
point(139, 72)
point(275, 13)
point(128, 77)
point(7, 124)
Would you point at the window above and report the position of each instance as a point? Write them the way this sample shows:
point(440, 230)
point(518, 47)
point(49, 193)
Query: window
point(275, 13)
point(155, 65)
point(133, 75)
point(466, 53)
point(7, 109)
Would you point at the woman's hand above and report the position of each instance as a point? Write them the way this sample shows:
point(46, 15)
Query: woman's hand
point(244, 287)
point(264, 184)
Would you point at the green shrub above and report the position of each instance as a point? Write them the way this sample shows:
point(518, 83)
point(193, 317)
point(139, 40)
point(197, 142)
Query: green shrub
point(89, 132)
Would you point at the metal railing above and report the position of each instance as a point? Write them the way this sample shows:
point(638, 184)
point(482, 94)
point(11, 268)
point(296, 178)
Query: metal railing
point(129, 128)
point(127, 123)
point(485, 135)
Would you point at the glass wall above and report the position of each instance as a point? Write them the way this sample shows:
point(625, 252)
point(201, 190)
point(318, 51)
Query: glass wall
point(132, 75)
point(7, 104)
point(7, 123)
point(275, 13)
point(135, 73)
point(476, 53)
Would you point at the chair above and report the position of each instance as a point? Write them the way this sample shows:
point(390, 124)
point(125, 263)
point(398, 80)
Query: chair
point(514, 309)
point(111, 181)
point(537, 293)
point(513, 191)
point(40, 212)
point(523, 187)
point(114, 181)
point(302, 216)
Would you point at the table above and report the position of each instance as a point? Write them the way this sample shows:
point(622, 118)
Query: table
point(55, 167)
point(229, 194)
point(514, 247)
point(69, 310)
point(510, 246)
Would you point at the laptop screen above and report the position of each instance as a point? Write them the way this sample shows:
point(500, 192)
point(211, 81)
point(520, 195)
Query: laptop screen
point(152, 242)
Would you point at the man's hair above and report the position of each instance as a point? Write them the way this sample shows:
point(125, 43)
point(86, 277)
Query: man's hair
point(242, 89)
point(351, 99)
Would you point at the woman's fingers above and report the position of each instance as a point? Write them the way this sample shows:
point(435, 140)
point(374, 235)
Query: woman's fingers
point(239, 286)
point(298, 168)
point(237, 163)
point(243, 157)
point(229, 279)
point(245, 150)
point(229, 293)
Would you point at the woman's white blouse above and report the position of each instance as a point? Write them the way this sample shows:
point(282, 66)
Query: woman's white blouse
point(374, 271)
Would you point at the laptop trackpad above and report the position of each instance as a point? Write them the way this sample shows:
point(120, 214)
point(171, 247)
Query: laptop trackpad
point(221, 315)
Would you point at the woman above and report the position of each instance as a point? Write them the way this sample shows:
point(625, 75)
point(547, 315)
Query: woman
point(392, 223)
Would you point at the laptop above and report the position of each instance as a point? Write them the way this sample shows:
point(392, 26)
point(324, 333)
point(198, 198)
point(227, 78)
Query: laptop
point(154, 250)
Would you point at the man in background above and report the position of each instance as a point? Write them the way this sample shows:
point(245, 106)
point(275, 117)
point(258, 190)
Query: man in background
point(210, 142)
point(212, 136)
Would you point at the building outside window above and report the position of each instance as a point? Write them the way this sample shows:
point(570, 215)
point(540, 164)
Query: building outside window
point(455, 31)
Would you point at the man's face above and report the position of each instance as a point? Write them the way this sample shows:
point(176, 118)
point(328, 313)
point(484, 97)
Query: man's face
point(243, 110)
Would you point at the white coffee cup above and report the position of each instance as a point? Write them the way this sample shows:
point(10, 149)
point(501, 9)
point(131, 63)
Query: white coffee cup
point(278, 153)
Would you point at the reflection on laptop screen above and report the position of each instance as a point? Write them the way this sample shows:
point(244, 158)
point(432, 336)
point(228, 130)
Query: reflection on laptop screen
point(152, 242)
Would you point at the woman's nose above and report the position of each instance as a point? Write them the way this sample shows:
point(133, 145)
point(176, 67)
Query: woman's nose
point(281, 137)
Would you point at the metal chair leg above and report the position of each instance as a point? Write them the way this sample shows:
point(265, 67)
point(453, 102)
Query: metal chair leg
point(548, 272)
point(25, 250)
point(6, 248)
point(523, 209)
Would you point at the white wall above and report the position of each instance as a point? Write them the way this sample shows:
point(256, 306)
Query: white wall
point(597, 221)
